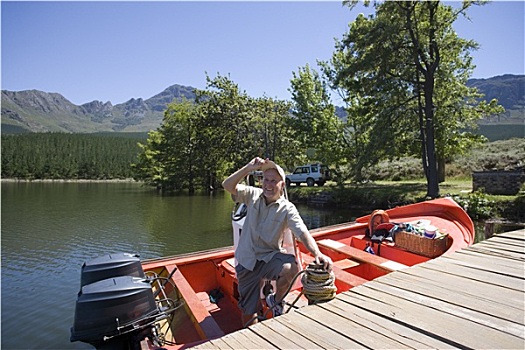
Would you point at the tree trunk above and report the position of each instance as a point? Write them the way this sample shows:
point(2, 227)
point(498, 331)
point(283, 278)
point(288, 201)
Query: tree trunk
point(191, 177)
point(432, 174)
point(441, 169)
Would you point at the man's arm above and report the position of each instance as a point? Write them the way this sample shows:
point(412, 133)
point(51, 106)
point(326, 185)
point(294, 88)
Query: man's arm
point(296, 224)
point(310, 244)
point(230, 184)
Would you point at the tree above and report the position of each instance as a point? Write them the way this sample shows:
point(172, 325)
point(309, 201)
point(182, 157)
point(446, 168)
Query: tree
point(170, 159)
point(224, 124)
point(403, 72)
point(273, 128)
point(314, 122)
point(200, 143)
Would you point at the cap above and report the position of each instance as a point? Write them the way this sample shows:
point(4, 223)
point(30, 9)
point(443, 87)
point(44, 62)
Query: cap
point(268, 164)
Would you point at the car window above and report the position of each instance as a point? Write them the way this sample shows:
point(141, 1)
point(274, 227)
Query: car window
point(298, 171)
point(314, 169)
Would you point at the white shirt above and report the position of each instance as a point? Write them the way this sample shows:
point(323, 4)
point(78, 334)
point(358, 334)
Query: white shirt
point(263, 230)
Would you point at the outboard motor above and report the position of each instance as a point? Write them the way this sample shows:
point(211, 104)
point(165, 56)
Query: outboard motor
point(116, 307)
point(113, 265)
point(111, 307)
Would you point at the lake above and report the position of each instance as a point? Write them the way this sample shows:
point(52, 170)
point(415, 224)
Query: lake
point(49, 229)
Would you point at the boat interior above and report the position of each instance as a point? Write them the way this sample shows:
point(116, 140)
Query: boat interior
point(208, 285)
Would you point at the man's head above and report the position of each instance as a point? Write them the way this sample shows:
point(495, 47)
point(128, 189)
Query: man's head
point(273, 181)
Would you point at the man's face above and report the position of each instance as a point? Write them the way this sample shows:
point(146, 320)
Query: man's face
point(272, 185)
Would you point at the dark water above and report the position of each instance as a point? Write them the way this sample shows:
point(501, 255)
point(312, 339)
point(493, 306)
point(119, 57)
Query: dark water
point(50, 229)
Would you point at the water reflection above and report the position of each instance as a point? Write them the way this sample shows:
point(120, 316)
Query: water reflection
point(319, 217)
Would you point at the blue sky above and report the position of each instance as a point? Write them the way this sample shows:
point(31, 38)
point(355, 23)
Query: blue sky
point(114, 51)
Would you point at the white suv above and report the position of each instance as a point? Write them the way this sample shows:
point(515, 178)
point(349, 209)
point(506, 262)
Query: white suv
point(311, 174)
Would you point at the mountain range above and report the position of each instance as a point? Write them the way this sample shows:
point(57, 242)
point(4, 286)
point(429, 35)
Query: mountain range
point(38, 111)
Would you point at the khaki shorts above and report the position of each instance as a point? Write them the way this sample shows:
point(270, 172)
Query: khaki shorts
point(251, 282)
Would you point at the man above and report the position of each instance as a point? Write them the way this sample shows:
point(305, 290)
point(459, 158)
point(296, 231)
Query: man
point(259, 253)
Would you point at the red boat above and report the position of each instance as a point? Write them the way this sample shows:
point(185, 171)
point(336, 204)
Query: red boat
point(181, 301)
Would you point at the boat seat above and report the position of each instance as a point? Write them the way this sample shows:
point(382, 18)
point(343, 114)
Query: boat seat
point(229, 265)
point(361, 256)
point(340, 274)
point(204, 322)
point(205, 300)
point(346, 263)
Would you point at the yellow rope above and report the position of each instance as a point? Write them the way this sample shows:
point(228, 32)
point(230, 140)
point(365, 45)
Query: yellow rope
point(318, 284)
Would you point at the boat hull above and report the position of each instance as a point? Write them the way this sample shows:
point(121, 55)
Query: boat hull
point(203, 272)
point(206, 284)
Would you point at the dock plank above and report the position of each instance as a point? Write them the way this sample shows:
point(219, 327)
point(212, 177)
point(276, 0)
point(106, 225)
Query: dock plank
point(518, 234)
point(490, 277)
point(317, 332)
point(499, 252)
point(483, 315)
point(435, 323)
point(497, 264)
point(343, 325)
point(207, 346)
point(513, 249)
point(504, 239)
point(234, 341)
point(512, 246)
point(253, 342)
point(497, 260)
point(278, 339)
point(376, 323)
point(509, 306)
point(220, 343)
point(464, 286)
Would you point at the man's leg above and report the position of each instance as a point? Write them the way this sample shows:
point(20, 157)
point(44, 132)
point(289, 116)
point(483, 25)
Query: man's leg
point(249, 289)
point(282, 268)
point(284, 280)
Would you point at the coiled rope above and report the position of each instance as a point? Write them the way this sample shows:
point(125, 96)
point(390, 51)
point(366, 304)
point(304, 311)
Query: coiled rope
point(318, 284)
point(318, 287)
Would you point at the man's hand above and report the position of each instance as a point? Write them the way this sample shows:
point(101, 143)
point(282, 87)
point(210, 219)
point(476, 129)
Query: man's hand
point(230, 184)
point(325, 261)
point(255, 164)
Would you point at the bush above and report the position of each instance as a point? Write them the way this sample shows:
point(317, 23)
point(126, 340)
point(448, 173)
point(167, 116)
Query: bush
point(503, 155)
point(406, 168)
point(515, 210)
point(477, 205)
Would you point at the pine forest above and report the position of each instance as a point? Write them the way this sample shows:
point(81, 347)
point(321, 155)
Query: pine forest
point(69, 156)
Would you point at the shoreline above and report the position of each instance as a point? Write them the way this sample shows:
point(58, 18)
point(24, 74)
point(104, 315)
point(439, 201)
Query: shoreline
point(508, 209)
point(69, 180)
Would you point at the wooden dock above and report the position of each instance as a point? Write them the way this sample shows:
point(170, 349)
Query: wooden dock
point(471, 299)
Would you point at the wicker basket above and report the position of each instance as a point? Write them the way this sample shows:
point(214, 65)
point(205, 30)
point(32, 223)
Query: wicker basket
point(430, 248)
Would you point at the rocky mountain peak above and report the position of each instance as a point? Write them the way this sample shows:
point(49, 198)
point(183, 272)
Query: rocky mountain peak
point(37, 111)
